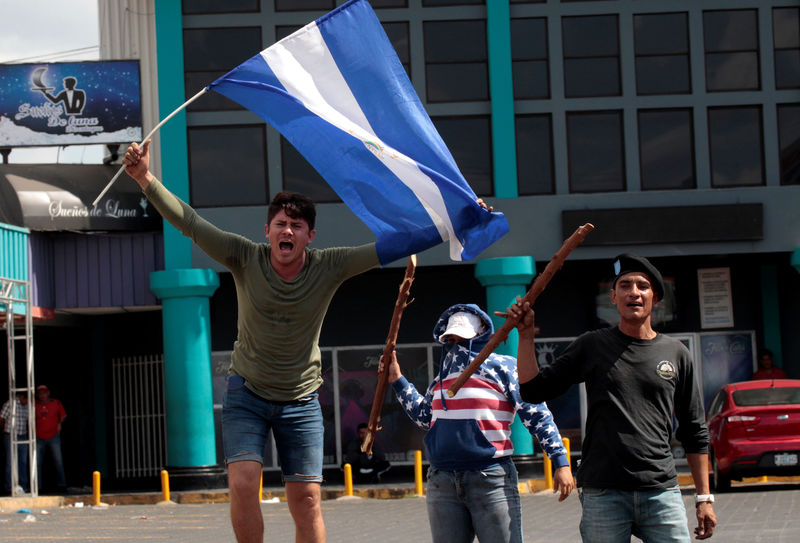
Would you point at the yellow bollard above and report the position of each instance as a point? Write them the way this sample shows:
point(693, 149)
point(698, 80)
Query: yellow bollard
point(96, 488)
point(348, 480)
point(418, 472)
point(569, 456)
point(548, 473)
point(261, 488)
point(164, 485)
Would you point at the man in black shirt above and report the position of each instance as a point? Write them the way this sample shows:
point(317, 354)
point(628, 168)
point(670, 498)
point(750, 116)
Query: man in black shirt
point(635, 380)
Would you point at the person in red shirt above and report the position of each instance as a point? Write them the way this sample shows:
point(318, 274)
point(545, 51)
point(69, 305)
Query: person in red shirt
point(50, 415)
point(766, 370)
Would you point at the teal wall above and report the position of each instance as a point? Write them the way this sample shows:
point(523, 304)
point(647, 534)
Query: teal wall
point(13, 252)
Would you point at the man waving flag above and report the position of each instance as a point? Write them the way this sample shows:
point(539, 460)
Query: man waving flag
point(337, 91)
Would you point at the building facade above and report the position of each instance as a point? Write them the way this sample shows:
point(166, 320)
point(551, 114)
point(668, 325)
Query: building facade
point(672, 126)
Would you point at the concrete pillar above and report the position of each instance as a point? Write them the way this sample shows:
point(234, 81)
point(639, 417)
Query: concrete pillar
point(184, 295)
point(506, 278)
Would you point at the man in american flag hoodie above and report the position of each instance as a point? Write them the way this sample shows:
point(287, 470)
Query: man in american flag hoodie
point(472, 482)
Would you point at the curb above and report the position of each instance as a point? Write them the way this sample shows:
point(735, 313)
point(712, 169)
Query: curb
point(528, 486)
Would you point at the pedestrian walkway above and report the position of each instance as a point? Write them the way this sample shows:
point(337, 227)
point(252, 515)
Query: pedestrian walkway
point(750, 513)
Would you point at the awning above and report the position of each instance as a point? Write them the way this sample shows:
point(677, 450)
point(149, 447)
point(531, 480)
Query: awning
point(60, 196)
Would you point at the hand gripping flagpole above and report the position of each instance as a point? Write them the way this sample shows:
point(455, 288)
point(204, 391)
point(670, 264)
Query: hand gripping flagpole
point(147, 137)
point(538, 286)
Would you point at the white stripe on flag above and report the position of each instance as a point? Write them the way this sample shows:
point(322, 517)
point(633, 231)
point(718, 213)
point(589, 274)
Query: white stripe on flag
point(327, 94)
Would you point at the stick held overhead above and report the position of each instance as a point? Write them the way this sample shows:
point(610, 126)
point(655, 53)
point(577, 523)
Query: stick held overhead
point(538, 286)
point(147, 137)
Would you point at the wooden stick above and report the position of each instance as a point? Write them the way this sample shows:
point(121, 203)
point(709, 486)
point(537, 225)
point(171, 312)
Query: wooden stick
point(391, 341)
point(538, 286)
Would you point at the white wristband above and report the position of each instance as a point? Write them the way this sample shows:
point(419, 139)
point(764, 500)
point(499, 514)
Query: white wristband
point(702, 498)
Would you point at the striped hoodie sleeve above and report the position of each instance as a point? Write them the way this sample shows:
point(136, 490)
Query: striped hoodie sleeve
point(416, 406)
point(538, 419)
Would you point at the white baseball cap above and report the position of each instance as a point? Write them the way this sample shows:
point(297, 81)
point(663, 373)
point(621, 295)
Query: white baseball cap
point(464, 325)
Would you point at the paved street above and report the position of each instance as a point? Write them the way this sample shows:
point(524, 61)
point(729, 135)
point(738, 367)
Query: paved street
point(759, 512)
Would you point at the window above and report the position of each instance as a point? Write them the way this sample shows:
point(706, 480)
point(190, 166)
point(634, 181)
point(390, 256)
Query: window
point(470, 142)
point(789, 143)
point(534, 154)
point(435, 3)
point(591, 56)
point(227, 166)
point(300, 176)
point(304, 5)
point(456, 67)
point(786, 41)
point(191, 7)
point(731, 47)
point(398, 35)
point(595, 151)
point(210, 53)
point(736, 146)
point(662, 53)
point(377, 4)
point(529, 58)
point(666, 149)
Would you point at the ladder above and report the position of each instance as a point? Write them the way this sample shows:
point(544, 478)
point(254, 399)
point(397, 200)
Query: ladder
point(15, 307)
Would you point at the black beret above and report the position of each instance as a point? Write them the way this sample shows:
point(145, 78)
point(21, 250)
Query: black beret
point(627, 263)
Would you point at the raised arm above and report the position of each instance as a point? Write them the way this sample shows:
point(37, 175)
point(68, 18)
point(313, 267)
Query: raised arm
point(137, 164)
point(522, 312)
point(416, 406)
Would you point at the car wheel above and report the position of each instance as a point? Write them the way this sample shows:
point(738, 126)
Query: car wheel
point(720, 482)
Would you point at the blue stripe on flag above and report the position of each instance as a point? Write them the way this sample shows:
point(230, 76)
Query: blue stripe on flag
point(337, 91)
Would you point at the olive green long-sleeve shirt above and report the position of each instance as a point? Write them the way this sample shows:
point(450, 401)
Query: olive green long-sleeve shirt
point(279, 321)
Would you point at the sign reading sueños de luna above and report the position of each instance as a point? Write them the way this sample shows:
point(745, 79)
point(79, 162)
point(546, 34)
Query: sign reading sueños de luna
point(70, 103)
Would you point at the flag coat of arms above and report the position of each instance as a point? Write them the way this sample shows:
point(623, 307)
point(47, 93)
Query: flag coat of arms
point(338, 92)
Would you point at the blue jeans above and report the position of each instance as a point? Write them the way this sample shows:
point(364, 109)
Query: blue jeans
point(654, 516)
point(22, 463)
point(463, 504)
point(51, 448)
point(297, 427)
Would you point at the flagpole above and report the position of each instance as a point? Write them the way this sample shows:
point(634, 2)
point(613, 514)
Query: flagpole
point(147, 137)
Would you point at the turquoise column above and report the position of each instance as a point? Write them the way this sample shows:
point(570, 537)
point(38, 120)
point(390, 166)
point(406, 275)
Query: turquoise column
point(506, 278)
point(770, 312)
point(184, 296)
point(184, 292)
point(501, 91)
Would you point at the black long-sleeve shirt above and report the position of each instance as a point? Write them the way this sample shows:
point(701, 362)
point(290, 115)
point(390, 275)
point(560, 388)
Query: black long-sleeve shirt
point(633, 386)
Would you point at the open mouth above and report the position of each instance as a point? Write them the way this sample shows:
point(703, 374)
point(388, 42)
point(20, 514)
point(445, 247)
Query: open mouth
point(285, 246)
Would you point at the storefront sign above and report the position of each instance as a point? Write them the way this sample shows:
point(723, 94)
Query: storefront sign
point(716, 306)
point(59, 196)
point(70, 103)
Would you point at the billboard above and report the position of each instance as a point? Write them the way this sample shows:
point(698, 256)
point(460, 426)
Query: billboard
point(70, 103)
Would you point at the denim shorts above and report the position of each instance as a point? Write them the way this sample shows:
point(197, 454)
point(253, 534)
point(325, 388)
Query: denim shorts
point(296, 426)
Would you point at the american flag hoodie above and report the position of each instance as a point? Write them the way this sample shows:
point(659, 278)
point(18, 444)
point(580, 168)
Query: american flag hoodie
point(472, 430)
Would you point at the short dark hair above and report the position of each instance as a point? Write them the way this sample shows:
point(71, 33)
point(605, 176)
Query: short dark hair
point(296, 206)
point(362, 425)
point(765, 352)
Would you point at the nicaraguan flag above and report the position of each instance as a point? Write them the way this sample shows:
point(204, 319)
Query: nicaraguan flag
point(337, 91)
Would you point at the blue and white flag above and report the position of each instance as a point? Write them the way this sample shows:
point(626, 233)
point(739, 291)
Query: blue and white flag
point(337, 91)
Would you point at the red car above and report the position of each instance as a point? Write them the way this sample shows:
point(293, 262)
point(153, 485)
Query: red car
point(755, 430)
